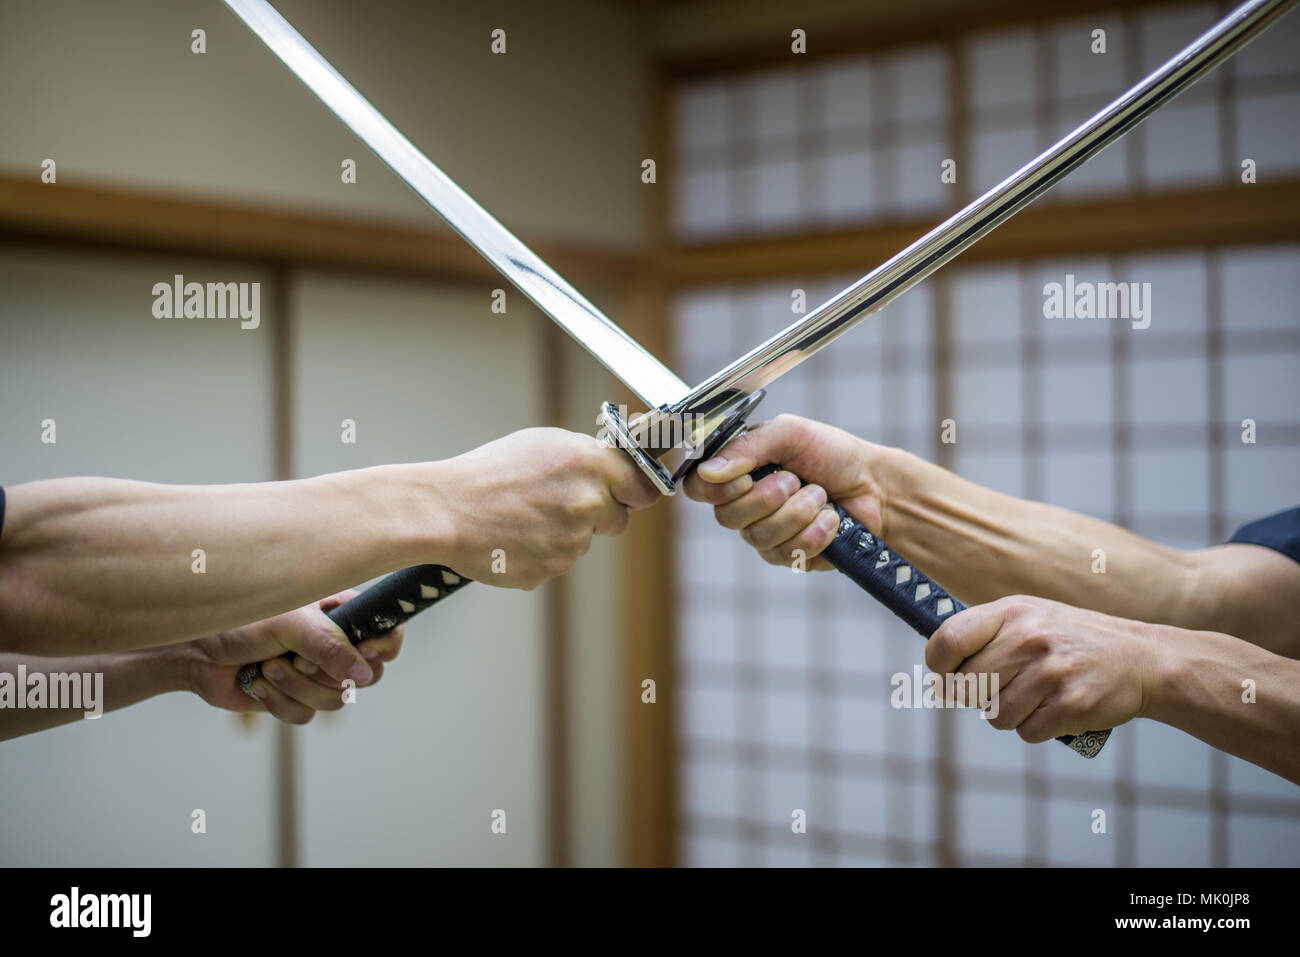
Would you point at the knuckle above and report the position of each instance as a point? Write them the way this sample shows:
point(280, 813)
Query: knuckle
point(1019, 606)
point(1073, 702)
point(936, 652)
point(726, 518)
point(1035, 644)
point(333, 649)
point(788, 422)
point(556, 565)
point(1034, 735)
point(772, 496)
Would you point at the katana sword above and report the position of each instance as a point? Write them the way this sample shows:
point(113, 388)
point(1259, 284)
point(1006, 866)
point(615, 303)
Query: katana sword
point(701, 420)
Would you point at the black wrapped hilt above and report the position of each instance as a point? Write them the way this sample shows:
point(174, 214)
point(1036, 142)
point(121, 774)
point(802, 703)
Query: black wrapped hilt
point(382, 607)
point(904, 590)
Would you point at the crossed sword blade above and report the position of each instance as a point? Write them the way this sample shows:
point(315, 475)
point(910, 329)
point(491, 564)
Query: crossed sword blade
point(653, 382)
point(714, 410)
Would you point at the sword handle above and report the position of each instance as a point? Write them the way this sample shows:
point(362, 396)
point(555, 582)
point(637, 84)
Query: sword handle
point(382, 607)
point(904, 590)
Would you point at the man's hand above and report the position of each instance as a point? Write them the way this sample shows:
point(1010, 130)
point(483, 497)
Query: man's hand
point(525, 507)
point(304, 657)
point(777, 516)
point(1061, 670)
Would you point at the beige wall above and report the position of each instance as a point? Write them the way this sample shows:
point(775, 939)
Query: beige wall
point(131, 397)
point(412, 774)
point(112, 92)
point(114, 95)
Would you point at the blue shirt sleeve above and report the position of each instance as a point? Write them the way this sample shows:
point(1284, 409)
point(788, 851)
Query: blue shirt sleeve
point(1280, 532)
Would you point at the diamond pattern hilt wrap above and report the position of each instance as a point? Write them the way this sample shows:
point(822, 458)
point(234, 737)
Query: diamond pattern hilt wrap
point(902, 588)
point(382, 607)
point(912, 596)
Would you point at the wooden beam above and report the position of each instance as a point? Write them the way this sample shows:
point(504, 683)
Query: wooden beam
point(1255, 213)
point(646, 605)
point(556, 716)
point(647, 612)
point(121, 218)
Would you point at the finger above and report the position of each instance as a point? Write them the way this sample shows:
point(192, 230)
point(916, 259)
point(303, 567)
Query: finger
point(627, 483)
point(727, 466)
point(1015, 701)
point(995, 658)
point(333, 601)
point(304, 665)
point(776, 441)
point(384, 648)
point(701, 491)
point(279, 704)
point(764, 499)
point(336, 687)
point(798, 512)
point(613, 519)
point(811, 541)
point(963, 635)
point(1046, 722)
point(298, 687)
point(314, 637)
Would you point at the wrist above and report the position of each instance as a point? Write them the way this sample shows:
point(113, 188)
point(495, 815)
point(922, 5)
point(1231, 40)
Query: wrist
point(170, 667)
point(1169, 672)
point(882, 468)
point(425, 524)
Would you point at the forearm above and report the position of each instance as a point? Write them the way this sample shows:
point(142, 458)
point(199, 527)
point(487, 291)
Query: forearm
point(39, 693)
point(1229, 693)
point(91, 565)
point(982, 545)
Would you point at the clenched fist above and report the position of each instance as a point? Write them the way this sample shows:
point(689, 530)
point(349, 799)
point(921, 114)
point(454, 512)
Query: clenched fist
point(778, 514)
point(524, 508)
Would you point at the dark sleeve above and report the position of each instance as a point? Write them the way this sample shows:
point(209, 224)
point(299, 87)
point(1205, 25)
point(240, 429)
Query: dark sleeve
point(2, 511)
point(1280, 532)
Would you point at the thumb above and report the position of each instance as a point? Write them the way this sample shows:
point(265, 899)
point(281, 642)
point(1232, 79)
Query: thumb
point(627, 483)
point(334, 601)
point(774, 441)
point(323, 643)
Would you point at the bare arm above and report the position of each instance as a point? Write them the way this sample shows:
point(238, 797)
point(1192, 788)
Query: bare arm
point(982, 545)
point(304, 658)
point(103, 683)
point(1233, 696)
point(90, 565)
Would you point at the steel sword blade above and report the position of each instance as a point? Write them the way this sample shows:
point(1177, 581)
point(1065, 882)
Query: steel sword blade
point(652, 381)
point(785, 350)
point(703, 407)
